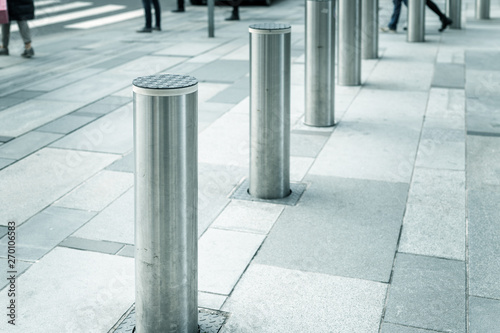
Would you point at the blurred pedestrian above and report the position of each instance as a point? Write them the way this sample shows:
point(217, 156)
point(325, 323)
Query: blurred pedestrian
point(20, 11)
point(235, 14)
point(180, 7)
point(393, 23)
point(147, 12)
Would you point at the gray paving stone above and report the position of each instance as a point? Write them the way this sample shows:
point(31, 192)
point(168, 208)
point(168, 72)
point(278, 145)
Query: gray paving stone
point(306, 145)
point(432, 185)
point(223, 256)
point(222, 71)
point(483, 161)
point(7, 102)
point(480, 117)
point(234, 93)
point(271, 299)
point(393, 328)
point(44, 231)
point(449, 76)
point(20, 268)
point(445, 109)
point(25, 94)
point(125, 164)
point(484, 240)
point(3, 231)
point(98, 192)
point(5, 139)
point(482, 60)
point(483, 315)
point(427, 292)
point(27, 144)
point(91, 245)
point(58, 82)
point(441, 149)
point(112, 133)
point(38, 180)
point(89, 290)
point(187, 49)
point(127, 251)
point(482, 83)
point(118, 60)
point(355, 237)
point(211, 301)
point(66, 124)
point(146, 65)
point(103, 106)
point(4, 162)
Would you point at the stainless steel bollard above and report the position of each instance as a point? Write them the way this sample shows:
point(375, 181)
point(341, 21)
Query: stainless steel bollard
point(482, 9)
point(320, 63)
point(270, 110)
point(454, 12)
point(369, 29)
point(349, 45)
point(166, 199)
point(211, 25)
point(416, 21)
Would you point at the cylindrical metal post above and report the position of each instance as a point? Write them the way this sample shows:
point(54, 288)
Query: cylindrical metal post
point(482, 9)
point(320, 63)
point(270, 66)
point(369, 29)
point(454, 12)
point(166, 199)
point(211, 25)
point(349, 48)
point(416, 21)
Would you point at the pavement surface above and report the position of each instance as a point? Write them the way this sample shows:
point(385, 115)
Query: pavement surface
point(398, 229)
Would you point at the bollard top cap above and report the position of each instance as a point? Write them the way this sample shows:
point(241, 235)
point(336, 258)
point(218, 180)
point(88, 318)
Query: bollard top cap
point(165, 85)
point(270, 28)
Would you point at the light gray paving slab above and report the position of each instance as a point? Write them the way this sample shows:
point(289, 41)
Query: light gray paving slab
point(483, 161)
point(44, 231)
point(211, 301)
point(392, 74)
point(41, 178)
point(480, 117)
point(436, 230)
point(248, 216)
point(482, 59)
point(449, 76)
point(20, 268)
point(91, 245)
point(127, 251)
point(125, 164)
point(31, 114)
point(222, 71)
point(344, 227)
point(5, 139)
point(119, 59)
point(441, 149)
point(26, 94)
point(271, 299)
point(189, 49)
point(5, 162)
point(394, 328)
point(89, 290)
point(483, 315)
point(234, 93)
point(65, 124)
point(482, 83)
point(223, 256)
point(306, 145)
point(299, 166)
point(112, 133)
point(98, 192)
point(432, 185)
point(27, 144)
point(445, 109)
point(207, 90)
point(146, 65)
point(484, 242)
point(115, 223)
point(427, 292)
point(54, 83)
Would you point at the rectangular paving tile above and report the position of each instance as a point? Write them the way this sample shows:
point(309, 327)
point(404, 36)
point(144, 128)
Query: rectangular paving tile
point(211, 301)
point(91, 245)
point(441, 149)
point(98, 192)
point(222, 71)
point(480, 117)
point(127, 251)
point(4, 139)
point(38, 180)
point(27, 144)
point(45, 230)
point(60, 81)
point(483, 315)
point(234, 93)
point(4, 162)
point(25, 94)
point(272, 299)
point(3, 231)
point(482, 60)
point(432, 185)
point(449, 76)
point(125, 164)
point(427, 292)
point(187, 49)
point(89, 290)
point(306, 145)
point(445, 109)
point(66, 124)
point(484, 242)
point(394, 328)
point(344, 227)
point(483, 159)
point(223, 256)
point(20, 268)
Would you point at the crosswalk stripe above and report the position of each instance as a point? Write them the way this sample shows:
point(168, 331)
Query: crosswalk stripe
point(107, 20)
point(62, 8)
point(45, 3)
point(72, 16)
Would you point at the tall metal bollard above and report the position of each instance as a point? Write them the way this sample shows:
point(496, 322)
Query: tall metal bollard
point(349, 54)
point(270, 110)
point(166, 199)
point(369, 29)
point(416, 21)
point(482, 9)
point(320, 63)
point(454, 12)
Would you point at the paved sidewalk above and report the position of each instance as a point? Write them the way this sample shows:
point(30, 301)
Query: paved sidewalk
point(397, 231)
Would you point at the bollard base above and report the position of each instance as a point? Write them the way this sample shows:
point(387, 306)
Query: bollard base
point(296, 190)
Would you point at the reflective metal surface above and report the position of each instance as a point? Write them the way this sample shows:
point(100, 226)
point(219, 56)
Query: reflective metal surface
point(482, 9)
point(166, 197)
point(416, 21)
point(454, 12)
point(369, 29)
point(269, 111)
point(320, 63)
point(349, 42)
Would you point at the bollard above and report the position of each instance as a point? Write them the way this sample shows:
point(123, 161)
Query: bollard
point(482, 9)
point(270, 110)
point(454, 12)
point(166, 198)
point(369, 29)
point(320, 63)
point(349, 36)
point(211, 25)
point(416, 21)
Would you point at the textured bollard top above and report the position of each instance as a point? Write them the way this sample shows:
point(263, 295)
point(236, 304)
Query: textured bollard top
point(270, 28)
point(165, 85)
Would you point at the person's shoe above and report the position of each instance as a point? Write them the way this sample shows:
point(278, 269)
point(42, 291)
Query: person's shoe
point(4, 51)
point(445, 23)
point(178, 10)
point(233, 18)
point(387, 29)
point(157, 29)
point(405, 28)
point(145, 30)
point(28, 53)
